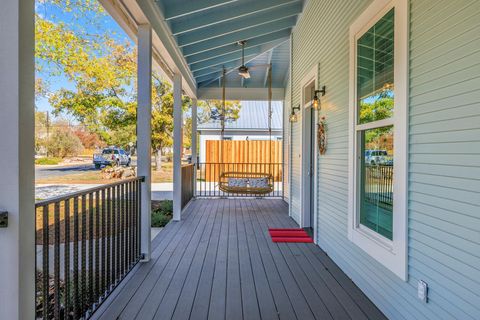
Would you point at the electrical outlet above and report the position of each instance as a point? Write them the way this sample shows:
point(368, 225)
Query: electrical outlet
point(422, 291)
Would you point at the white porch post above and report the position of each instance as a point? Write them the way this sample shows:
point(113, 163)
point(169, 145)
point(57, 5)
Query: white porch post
point(194, 144)
point(177, 146)
point(144, 131)
point(17, 241)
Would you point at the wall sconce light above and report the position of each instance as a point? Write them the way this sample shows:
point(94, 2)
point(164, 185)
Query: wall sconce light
point(293, 117)
point(316, 98)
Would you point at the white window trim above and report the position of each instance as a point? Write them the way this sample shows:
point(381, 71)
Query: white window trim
point(311, 76)
point(392, 254)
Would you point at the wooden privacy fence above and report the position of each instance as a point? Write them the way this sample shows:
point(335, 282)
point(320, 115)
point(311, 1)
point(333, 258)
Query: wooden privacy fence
point(243, 151)
point(257, 156)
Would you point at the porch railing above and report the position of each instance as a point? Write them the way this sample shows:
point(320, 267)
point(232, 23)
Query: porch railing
point(209, 176)
point(379, 185)
point(86, 243)
point(187, 183)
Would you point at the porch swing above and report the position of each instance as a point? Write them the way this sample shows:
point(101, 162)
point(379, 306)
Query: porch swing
point(241, 182)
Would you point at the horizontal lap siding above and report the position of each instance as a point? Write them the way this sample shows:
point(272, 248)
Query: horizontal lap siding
point(444, 193)
point(444, 169)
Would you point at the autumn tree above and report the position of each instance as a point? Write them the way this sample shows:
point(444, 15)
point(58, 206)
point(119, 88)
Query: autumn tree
point(99, 72)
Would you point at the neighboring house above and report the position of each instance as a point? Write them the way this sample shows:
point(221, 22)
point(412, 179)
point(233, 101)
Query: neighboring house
point(252, 124)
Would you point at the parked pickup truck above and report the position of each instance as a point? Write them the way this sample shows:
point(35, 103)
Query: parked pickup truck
point(111, 156)
point(377, 157)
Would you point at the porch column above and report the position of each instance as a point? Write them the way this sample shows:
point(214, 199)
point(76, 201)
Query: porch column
point(144, 131)
point(177, 146)
point(17, 240)
point(194, 144)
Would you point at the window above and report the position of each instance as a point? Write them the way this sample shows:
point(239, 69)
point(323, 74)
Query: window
point(378, 133)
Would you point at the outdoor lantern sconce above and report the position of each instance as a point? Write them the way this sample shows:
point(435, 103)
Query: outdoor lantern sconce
point(316, 98)
point(293, 116)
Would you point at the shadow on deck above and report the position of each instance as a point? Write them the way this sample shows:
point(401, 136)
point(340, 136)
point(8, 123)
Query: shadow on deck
point(219, 263)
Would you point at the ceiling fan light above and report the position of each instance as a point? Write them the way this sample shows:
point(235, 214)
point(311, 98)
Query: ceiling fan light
point(243, 71)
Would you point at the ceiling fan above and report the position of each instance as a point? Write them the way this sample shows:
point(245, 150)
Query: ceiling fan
point(243, 69)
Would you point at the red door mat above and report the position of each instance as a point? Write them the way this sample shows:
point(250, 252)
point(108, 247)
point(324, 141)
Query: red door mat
point(289, 235)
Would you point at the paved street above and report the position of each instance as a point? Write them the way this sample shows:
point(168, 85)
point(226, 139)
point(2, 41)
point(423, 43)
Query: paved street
point(42, 172)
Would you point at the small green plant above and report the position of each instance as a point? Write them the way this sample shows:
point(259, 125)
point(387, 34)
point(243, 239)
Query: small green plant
point(48, 161)
point(161, 213)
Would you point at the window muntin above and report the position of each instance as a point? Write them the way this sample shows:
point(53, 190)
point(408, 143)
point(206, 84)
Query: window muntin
point(375, 71)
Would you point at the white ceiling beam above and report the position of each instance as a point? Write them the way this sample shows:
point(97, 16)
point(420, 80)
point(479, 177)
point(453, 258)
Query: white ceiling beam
point(211, 75)
point(256, 51)
point(240, 35)
point(178, 9)
point(251, 21)
point(253, 42)
point(235, 11)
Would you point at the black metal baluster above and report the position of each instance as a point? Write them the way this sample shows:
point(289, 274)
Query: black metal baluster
point(56, 260)
point(122, 230)
point(90, 250)
point(137, 222)
point(76, 297)
point(127, 228)
point(66, 211)
point(103, 287)
point(140, 217)
point(118, 230)
point(130, 227)
point(114, 235)
point(109, 267)
point(45, 270)
point(97, 246)
point(84, 255)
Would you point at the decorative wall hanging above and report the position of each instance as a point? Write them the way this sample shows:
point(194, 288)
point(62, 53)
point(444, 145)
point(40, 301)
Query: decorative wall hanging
point(322, 135)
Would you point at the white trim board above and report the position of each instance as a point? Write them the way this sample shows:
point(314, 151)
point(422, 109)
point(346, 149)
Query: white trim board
point(392, 254)
point(311, 76)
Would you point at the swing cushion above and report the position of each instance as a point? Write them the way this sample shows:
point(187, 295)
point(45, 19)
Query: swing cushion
point(237, 182)
point(259, 182)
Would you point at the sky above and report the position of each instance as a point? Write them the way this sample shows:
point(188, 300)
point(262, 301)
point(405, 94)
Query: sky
point(82, 24)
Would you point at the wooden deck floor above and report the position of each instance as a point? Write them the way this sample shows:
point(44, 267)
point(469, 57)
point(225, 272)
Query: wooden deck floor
point(220, 263)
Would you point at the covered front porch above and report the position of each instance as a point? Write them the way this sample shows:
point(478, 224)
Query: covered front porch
point(219, 262)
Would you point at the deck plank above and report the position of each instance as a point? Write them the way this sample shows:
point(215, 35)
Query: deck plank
point(175, 265)
point(177, 243)
point(159, 245)
point(185, 301)
point(201, 303)
point(298, 301)
point(249, 294)
point(219, 263)
point(234, 294)
point(190, 261)
point(219, 287)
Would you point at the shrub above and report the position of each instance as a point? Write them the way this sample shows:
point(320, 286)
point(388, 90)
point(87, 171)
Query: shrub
point(48, 161)
point(160, 220)
point(63, 142)
point(161, 213)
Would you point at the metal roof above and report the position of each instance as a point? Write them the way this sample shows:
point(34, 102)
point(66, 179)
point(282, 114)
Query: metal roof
point(253, 115)
point(207, 32)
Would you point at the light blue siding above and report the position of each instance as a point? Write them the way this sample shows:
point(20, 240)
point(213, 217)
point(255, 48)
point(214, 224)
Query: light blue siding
point(444, 160)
